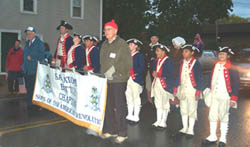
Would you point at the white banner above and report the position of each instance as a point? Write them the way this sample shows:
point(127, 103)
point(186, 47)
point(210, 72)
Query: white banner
point(79, 98)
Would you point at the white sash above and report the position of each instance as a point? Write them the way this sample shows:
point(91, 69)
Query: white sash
point(70, 54)
point(87, 54)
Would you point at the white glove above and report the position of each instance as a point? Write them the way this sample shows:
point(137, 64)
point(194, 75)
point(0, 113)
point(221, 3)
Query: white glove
point(109, 73)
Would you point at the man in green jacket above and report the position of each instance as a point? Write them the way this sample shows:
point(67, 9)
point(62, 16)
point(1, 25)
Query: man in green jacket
point(116, 63)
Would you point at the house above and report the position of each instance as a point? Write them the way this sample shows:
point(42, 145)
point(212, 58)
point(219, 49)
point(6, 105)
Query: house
point(45, 15)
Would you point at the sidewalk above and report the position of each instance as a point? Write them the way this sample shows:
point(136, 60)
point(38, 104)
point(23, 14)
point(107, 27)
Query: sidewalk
point(4, 93)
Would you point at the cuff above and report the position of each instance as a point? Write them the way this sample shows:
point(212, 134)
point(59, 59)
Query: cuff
point(158, 74)
point(234, 98)
point(175, 101)
point(90, 68)
point(198, 93)
point(175, 90)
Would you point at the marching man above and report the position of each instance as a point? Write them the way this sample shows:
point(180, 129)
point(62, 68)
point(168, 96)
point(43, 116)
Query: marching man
point(221, 95)
point(76, 54)
point(188, 88)
point(136, 81)
point(92, 55)
point(64, 43)
point(162, 86)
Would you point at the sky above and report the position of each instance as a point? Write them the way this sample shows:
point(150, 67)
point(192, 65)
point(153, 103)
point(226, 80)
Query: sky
point(241, 8)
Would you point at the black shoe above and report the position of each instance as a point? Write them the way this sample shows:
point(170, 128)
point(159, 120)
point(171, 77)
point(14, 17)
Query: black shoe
point(205, 141)
point(222, 144)
point(189, 136)
point(160, 128)
point(132, 123)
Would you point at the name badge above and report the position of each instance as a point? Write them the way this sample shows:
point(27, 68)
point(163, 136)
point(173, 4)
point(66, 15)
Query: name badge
point(112, 55)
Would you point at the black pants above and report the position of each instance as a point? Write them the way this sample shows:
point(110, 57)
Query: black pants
point(13, 85)
point(13, 82)
point(115, 116)
point(29, 85)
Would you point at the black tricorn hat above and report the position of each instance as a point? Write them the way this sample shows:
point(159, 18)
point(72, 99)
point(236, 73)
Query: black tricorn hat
point(135, 41)
point(89, 37)
point(226, 49)
point(65, 24)
point(162, 47)
point(191, 48)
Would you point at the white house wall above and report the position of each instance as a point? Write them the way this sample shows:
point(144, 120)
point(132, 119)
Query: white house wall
point(49, 14)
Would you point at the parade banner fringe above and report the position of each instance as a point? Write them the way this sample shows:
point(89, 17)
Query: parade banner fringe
point(79, 98)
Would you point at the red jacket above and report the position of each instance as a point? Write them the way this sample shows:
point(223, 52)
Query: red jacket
point(14, 60)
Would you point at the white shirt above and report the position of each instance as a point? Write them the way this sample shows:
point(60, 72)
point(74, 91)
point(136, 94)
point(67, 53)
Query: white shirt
point(32, 41)
point(60, 50)
point(186, 84)
point(218, 82)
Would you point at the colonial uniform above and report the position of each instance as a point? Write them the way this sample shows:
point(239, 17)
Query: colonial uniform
point(223, 89)
point(162, 87)
point(76, 56)
point(135, 83)
point(63, 45)
point(92, 56)
point(188, 86)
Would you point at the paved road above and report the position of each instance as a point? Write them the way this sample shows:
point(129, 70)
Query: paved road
point(24, 128)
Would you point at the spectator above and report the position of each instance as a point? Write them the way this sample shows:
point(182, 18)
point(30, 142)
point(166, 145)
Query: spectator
point(34, 51)
point(48, 55)
point(150, 56)
point(198, 42)
point(175, 54)
point(13, 65)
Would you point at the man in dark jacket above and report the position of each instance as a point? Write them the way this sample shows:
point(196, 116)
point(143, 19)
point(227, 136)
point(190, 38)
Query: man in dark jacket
point(34, 51)
point(13, 65)
point(116, 63)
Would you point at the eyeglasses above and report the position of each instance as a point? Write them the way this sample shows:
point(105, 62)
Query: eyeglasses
point(107, 29)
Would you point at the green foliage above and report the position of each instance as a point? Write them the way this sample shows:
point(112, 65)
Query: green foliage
point(129, 14)
point(165, 18)
point(234, 19)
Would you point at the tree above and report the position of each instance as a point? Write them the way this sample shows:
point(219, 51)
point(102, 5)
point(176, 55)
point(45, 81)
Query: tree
point(165, 18)
point(129, 14)
point(185, 17)
point(234, 19)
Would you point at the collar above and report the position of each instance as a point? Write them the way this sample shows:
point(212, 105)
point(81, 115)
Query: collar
point(162, 58)
point(113, 39)
point(226, 65)
point(188, 61)
point(64, 35)
point(151, 44)
point(134, 52)
point(90, 47)
point(15, 49)
point(32, 41)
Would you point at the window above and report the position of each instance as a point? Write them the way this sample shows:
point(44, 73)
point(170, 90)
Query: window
point(29, 6)
point(77, 9)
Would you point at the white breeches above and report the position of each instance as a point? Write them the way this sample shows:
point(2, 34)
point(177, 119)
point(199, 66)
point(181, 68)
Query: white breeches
point(219, 110)
point(133, 93)
point(188, 106)
point(161, 96)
